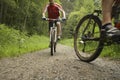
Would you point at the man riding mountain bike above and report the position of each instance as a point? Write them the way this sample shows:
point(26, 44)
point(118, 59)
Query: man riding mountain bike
point(53, 10)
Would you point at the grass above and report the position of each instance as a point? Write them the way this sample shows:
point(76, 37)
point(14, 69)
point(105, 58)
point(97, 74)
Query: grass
point(68, 42)
point(30, 44)
point(111, 51)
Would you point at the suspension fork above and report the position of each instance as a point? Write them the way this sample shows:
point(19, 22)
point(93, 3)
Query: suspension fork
point(53, 30)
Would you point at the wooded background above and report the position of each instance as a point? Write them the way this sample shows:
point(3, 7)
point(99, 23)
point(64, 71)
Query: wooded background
point(22, 30)
point(25, 15)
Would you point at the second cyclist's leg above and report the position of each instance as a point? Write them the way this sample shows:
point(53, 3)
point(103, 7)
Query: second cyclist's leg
point(106, 22)
point(59, 30)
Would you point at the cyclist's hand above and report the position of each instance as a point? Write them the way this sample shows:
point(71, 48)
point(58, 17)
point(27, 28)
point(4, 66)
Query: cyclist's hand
point(63, 19)
point(43, 18)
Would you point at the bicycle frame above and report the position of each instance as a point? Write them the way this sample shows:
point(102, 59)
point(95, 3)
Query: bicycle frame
point(53, 35)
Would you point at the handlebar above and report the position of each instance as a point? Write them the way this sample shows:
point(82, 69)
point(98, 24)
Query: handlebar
point(49, 19)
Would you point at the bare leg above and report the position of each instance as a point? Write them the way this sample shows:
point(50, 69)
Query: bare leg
point(107, 9)
point(59, 31)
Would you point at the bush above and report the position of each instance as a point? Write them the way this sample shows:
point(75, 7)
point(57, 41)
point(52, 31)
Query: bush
point(13, 42)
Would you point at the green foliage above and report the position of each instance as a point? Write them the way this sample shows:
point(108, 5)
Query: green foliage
point(33, 43)
point(7, 36)
point(68, 42)
point(23, 18)
point(24, 15)
point(80, 8)
point(13, 42)
point(75, 16)
point(111, 51)
point(69, 7)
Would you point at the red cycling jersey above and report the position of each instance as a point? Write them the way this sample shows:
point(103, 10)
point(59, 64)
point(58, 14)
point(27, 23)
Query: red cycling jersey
point(53, 10)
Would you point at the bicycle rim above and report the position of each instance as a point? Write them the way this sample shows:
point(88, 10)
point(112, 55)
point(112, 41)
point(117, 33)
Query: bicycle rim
point(87, 43)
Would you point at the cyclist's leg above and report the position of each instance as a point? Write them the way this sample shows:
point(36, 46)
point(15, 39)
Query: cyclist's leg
point(107, 8)
point(59, 30)
point(106, 22)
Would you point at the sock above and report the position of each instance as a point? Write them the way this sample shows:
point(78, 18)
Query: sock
point(107, 26)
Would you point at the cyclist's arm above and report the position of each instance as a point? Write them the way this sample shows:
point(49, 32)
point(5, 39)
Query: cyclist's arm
point(63, 13)
point(44, 11)
point(62, 10)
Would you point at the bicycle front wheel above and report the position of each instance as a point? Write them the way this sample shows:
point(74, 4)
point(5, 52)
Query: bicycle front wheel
point(87, 38)
point(53, 42)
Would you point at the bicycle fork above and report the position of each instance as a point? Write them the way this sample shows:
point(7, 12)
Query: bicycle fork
point(53, 30)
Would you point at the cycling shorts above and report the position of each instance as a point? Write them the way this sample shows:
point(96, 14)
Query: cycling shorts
point(51, 24)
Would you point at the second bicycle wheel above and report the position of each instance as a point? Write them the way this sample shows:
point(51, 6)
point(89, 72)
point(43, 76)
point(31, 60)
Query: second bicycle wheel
point(87, 43)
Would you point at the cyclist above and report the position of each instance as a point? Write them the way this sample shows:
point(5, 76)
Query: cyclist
point(53, 10)
point(106, 22)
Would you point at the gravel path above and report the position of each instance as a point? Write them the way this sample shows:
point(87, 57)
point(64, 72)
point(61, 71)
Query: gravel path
point(64, 65)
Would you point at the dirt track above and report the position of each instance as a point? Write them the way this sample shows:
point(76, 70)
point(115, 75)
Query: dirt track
point(64, 65)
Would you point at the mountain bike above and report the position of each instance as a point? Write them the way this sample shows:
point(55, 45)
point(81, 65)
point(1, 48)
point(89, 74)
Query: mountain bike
point(90, 38)
point(53, 35)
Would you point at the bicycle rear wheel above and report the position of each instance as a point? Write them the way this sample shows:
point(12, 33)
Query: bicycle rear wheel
point(87, 38)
